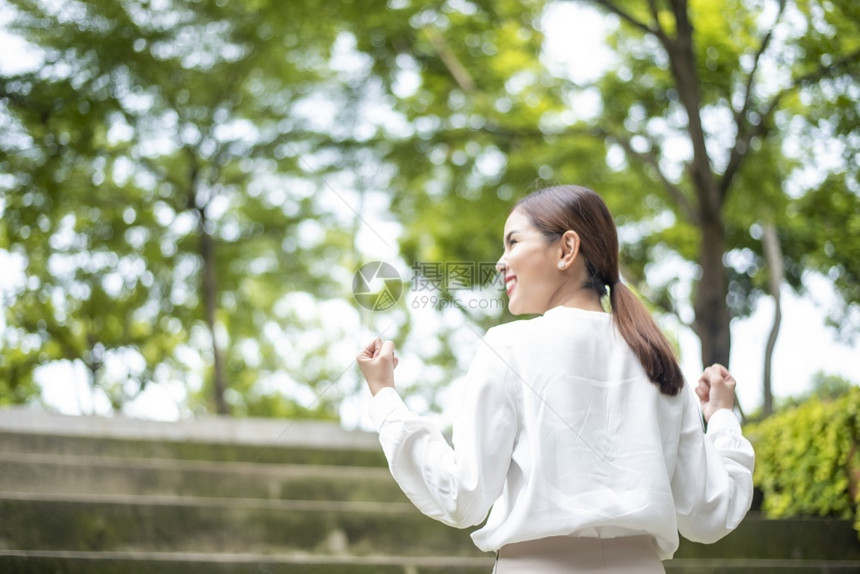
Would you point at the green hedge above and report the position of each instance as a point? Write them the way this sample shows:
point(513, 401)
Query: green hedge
point(808, 460)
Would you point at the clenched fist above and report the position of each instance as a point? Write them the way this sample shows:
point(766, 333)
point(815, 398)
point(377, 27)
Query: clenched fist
point(716, 390)
point(377, 364)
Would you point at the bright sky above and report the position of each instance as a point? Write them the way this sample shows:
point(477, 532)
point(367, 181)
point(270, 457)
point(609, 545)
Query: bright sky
point(574, 45)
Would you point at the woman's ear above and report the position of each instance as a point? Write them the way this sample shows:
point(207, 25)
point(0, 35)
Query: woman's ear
point(570, 245)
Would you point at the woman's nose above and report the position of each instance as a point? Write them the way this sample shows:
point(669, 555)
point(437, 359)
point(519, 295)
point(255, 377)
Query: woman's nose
point(501, 264)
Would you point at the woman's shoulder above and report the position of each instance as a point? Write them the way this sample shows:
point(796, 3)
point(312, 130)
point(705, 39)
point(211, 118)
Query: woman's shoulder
point(511, 329)
point(521, 330)
point(559, 318)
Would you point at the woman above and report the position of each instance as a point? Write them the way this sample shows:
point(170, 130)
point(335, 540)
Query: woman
point(575, 426)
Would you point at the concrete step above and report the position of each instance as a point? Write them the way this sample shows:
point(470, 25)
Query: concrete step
point(226, 439)
point(15, 442)
point(86, 494)
point(811, 538)
point(38, 562)
point(83, 474)
point(100, 522)
point(15, 562)
point(218, 525)
point(761, 566)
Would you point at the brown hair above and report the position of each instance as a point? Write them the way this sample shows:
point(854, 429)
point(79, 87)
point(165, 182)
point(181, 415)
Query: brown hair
point(555, 210)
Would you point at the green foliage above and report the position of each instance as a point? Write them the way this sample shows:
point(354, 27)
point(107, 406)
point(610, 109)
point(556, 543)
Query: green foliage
point(151, 193)
point(829, 246)
point(808, 460)
point(169, 169)
point(824, 387)
point(490, 123)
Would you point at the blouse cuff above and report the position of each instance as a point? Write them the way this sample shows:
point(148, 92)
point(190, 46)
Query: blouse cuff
point(384, 402)
point(723, 420)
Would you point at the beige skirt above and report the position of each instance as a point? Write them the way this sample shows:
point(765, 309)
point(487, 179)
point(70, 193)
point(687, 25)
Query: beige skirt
point(565, 554)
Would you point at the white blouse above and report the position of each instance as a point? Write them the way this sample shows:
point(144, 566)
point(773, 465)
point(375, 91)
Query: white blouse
point(560, 431)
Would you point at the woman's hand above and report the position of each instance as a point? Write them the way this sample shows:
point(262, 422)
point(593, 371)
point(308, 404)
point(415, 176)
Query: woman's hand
point(716, 390)
point(377, 364)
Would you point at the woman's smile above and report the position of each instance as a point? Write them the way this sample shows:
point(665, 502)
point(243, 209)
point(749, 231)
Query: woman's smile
point(531, 259)
point(510, 282)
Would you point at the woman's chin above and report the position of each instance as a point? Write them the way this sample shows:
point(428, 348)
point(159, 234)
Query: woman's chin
point(515, 308)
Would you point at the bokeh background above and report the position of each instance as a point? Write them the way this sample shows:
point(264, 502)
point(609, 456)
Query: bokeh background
point(188, 188)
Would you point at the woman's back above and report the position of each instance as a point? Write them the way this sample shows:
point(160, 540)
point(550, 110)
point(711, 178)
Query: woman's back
point(576, 423)
point(597, 441)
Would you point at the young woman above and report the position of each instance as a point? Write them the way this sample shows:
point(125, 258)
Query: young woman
point(575, 426)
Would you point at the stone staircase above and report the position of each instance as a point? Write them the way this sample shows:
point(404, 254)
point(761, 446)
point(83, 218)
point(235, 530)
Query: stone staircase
point(111, 495)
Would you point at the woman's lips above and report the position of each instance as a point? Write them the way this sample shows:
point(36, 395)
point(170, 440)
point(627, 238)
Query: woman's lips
point(510, 282)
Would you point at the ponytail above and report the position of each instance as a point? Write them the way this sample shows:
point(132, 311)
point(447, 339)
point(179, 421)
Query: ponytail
point(645, 338)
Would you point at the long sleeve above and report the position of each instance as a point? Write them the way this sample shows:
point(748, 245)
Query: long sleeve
point(712, 484)
point(560, 431)
point(456, 485)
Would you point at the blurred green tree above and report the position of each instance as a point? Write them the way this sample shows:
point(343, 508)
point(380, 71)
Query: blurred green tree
point(155, 195)
point(712, 121)
point(212, 124)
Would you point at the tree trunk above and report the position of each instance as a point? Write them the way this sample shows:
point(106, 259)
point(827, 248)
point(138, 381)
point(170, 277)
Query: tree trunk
point(210, 303)
point(712, 319)
point(93, 361)
point(773, 255)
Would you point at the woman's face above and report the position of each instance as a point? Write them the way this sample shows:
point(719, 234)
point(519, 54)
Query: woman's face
point(530, 266)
